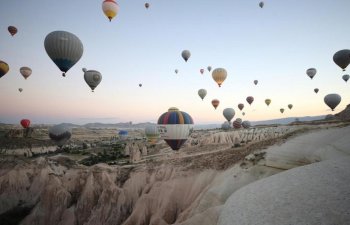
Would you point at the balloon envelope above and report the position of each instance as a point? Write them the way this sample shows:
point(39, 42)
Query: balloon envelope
point(229, 113)
point(237, 124)
point(92, 78)
point(332, 100)
point(176, 71)
point(25, 71)
point(209, 68)
point(342, 58)
point(64, 48)
point(346, 77)
point(316, 90)
point(267, 102)
point(4, 68)
point(186, 54)
point(250, 99)
point(202, 93)
point(202, 71)
point(20, 89)
point(290, 106)
point(110, 8)
point(60, 134)
point(215, 103)
point(12, 30)
point(261, 4)
point(255, 82)
point(225, 126)
point(282, 110)
point(147, 5)
point(152, 133)
point(123, 134)
point(311, 72)
point(240, 106)
point(246, 124)
point(25, 123)
point(219, 75)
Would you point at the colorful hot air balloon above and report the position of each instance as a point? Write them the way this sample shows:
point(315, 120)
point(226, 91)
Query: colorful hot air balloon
point(176, 71)
point(267, 101)
point(346, 77)
point(152, 133)
point(186, 54)
point(225, 126)
point(202, 71)
point(209, 68)
point(20, 89)
point(219, 75)
point(25, 71)
point(332, 100)
point(60, 134)
point(147, 5)
point(261, 4)
point(311, 72)
point(64, 48)
point(110, 8)
point(237, 124)
point(281, 110)
point(229, 113)
point(12, 30)
point(4, 68)
point(202, 93)
point(290, 106)
point(175, 126)
point(25, 123)
point(246, 124)
point(240, 106)
point(123, 134)
point(342, 58)
point(250, 99)
point(255, 82)
point(215, 103)
point(92, 78)
point(316, 90)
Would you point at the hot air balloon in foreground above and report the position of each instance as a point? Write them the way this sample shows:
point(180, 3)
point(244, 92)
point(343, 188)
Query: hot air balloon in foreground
point(311, 72)
point(64, 48)
point(60, 134)
point(25, 71)
point(219, 75)
point(152, 133)
point(12, 30)
point(332, 100)
point(229, 113)
point(346, 77)
point(175, 126)
point(25, 123)
point(186, 54)
point(110, 8)
point(267, 101)
point(202, 93)
point(4, 68)
point(215, 103)
point(342, 58)
point(92, 78)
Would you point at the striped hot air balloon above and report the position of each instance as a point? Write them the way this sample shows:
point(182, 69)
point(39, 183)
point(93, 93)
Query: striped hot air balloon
point(110, 9)
point(64, 48)
point(175, 126)
point(4, 68)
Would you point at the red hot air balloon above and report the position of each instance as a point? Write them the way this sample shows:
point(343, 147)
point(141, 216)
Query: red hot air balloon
point(12, 30)
point(250, 100)
point(240, 106)
point(25, 123)
point(202, 71)
point(215, 103)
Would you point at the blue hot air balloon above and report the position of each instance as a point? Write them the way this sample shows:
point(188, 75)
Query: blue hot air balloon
point(123, 134)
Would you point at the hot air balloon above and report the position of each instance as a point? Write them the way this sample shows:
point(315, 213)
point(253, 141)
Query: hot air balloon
point(346, 77)
point(267, 101)
point(202, 71)
point(25, 71)
point(229, 113)
point(147, 5)
point(25, 123)
point(225, 126)
point(332, 100)
point(209, 68)
point(202, 93)
point(4, 68)
point(243, 113)
point(246, 124)
point(316, 90)
point(215, 103)
point(311, 72)
point(219, 75)
point(123, 134)
point(237, 124)
point(92, 78)
point(342, 58)
point(281, 110)
point(176, 71)
point(240, 106)
point(250, 99)
point(64, 48)
point(110, 8)
point(152, 133)
point(12, 30)
point(140, 85)
point(60, 134)
point(186, 54)
point(290, 106)
point(175, 126)
point(261, 4)
point(255, 82)
point(20, 89)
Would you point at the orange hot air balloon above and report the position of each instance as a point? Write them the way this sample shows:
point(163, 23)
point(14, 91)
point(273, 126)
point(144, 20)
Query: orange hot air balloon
point(25, 123)
point(240, 106)
point(250, 100)
point(110, 8)
point(215, 103)
point(202, 71)
point(12, 30)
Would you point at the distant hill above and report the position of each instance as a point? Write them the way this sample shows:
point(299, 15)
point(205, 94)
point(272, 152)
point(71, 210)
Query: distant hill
point(287, 120)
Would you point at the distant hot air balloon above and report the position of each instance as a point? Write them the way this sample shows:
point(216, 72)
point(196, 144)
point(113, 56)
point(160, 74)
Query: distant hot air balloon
point(202, 93)
point(243, 113)
point(267, 101)
point(64, 48)
point(4, 68)
point(246, 124)
point(176, 71)
point(202, 71)
point(140, 85)
point(175, 126)
point(215, 103)
point(209, 68)
point(255, 82)
point(332, 100)
point(110, 8)
point(219, 75)
point(147, 5)
point(92, 78)
point(152, 133)
point(281, 110)
point(186, 54)
point(316, 90)
point(60, 134)
point(290, 106)
point(225, 126)
point(346, 77)
point(237, 124)
point(228, 113)
point(342, 58)
point(20, 89)
point(25, 123)
point(250, 99)
point(261, 4)
point(311, 72)
point(25, 71)
point(123, 134)
point(12, 30)
point(240, 106)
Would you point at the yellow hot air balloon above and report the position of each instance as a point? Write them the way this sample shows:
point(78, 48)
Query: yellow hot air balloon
point(4, 68)
point(267, 102)
point(219, 75)
point(110, 8)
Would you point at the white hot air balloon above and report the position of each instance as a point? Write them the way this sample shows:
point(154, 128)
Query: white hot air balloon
point(25, 71)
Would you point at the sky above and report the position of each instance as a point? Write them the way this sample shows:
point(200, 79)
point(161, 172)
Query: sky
point(275, 45)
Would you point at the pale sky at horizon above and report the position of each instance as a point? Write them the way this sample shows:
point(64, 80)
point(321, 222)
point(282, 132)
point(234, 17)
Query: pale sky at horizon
point(275, 45)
